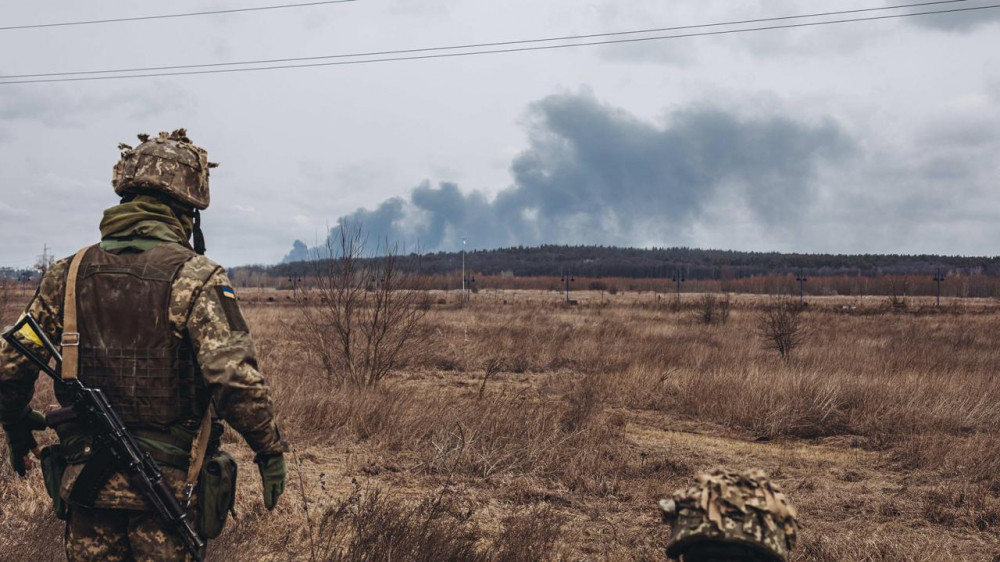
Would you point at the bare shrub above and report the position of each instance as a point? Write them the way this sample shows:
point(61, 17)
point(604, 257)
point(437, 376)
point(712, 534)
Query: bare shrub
point(529, 535)
point(374, 527)
point(491, 367)
point(712, 309)
point(365, 315)
point(584, 404)
point(780, 326)
point(769, 403)
point(509, 434)
point(897, 295)
point(707, 312)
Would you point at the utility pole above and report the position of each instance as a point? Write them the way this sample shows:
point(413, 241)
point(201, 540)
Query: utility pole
point(678, 280)
point(939, 278)
point(567, 279)
point(463, 270)
point(24, 282)
point(44, 260)
point(470, 284)
point(801, 278)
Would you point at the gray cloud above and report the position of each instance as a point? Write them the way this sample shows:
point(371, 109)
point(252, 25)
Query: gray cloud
point(955, 21)
point(594, 173)
point(57, 106)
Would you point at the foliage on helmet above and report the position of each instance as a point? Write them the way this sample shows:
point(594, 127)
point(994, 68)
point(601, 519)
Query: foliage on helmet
point(169, 163)
point(734, 508)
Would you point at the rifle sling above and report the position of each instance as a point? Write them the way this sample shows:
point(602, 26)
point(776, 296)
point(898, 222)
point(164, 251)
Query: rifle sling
point(71, 334)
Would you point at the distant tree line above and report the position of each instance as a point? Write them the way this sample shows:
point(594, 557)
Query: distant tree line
point(11, 273)
point(659, 263)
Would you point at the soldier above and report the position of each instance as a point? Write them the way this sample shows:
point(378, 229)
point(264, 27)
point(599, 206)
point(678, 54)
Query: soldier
point(156, 326)
point(730, 517)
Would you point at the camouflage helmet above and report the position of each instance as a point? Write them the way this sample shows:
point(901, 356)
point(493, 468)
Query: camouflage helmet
point(169, 163)
point(744, 510)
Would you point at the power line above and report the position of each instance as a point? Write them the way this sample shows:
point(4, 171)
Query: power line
point(496, 51)
point(165, 16)
point(472, 45)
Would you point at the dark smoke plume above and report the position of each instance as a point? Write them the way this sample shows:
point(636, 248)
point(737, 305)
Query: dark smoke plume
point(595, 174)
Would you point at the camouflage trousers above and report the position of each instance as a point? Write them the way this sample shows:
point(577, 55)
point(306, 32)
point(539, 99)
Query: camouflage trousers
point(121, 534)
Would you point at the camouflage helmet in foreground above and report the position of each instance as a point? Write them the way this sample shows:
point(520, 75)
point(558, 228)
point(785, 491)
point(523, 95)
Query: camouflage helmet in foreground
point(169, 163)
point(742, 511)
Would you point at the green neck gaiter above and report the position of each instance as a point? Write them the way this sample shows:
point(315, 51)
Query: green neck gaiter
point(148, 218)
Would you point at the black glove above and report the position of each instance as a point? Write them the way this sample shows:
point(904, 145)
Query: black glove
point(20, 440)
point(272, 475)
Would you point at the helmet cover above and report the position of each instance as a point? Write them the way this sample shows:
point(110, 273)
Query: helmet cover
point(170, 164)
point(744, 509)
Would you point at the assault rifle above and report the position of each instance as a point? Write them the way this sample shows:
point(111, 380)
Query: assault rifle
point(92, 409)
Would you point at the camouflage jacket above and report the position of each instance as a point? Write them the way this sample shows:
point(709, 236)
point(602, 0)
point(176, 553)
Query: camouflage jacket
point(226, 357)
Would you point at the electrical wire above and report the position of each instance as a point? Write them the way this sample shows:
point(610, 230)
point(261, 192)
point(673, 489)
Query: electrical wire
point(472, 45)
point(165, 16)
point(495, 51)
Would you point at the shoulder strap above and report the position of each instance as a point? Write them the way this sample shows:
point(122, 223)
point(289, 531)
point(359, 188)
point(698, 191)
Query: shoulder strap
point(71, 336)
point(198, 449)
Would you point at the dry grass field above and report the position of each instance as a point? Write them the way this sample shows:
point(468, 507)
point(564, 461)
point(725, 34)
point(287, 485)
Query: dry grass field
point(530, 430)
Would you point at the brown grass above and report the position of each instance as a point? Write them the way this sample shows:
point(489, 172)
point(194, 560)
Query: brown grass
point(537, 431)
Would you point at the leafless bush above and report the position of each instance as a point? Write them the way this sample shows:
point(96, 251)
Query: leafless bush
point(712, 309)
point(365, 315)
point(897, 296)
point(491, 367)
point(373, 527)
point(584, 404)
point(530, 535)
point(780, 326)
point(707, 308)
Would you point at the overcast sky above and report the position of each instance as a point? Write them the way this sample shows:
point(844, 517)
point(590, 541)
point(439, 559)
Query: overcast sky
point(867, 137)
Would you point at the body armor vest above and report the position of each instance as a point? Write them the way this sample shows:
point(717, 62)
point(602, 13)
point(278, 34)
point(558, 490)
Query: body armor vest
point(127, 347)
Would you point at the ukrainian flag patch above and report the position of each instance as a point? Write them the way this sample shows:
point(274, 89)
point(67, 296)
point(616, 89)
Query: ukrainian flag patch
point(227, 298)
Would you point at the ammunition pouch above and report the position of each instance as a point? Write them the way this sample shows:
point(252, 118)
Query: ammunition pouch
point(170, 448)
point(53, 466)
point(216, 493)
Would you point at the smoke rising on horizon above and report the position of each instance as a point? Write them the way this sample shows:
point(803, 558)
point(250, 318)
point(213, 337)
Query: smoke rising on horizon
point(595, 174)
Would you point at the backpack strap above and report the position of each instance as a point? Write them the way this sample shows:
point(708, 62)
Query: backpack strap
point(71, 336)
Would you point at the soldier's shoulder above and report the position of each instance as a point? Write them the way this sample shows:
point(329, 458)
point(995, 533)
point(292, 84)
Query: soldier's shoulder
point(53, 281)
point(58, 268)
point(199, 270)
point(194, 276)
